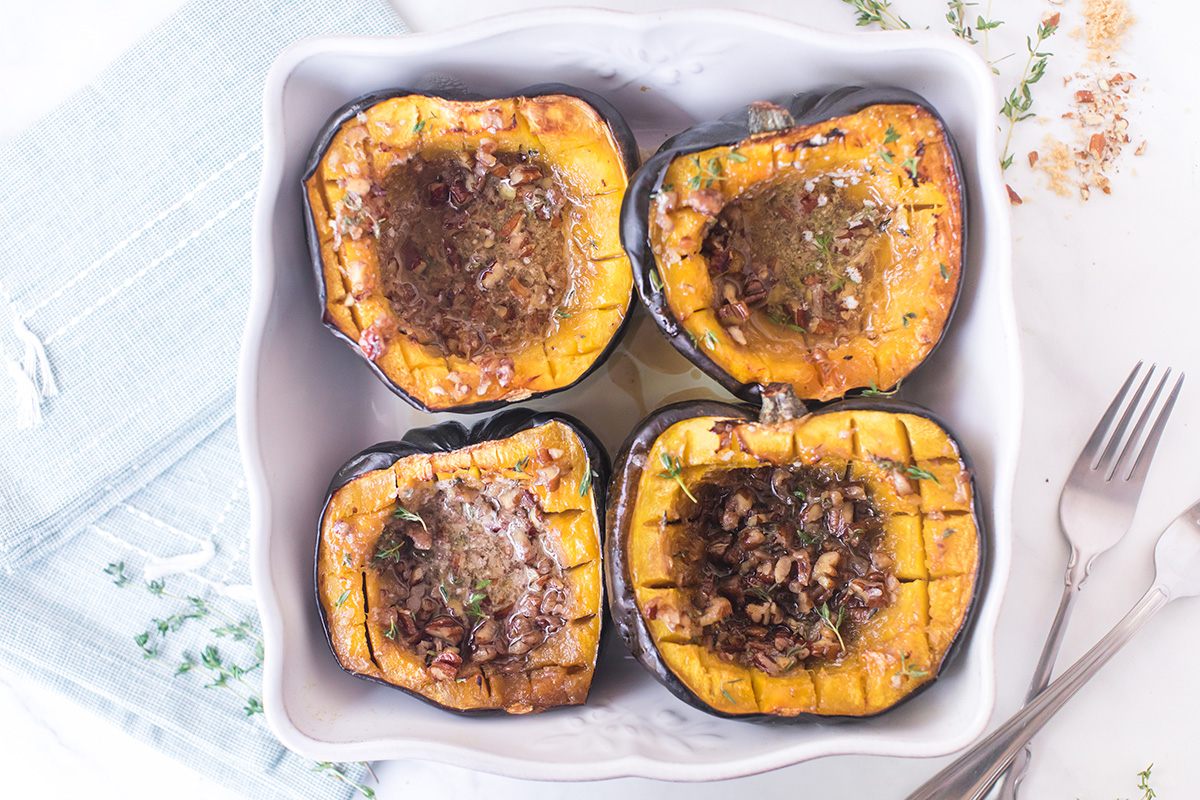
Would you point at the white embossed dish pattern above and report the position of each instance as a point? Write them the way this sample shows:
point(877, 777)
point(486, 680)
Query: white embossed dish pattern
point(304, 406)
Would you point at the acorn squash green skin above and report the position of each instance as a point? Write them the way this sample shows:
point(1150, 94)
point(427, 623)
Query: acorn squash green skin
point(630, 158)
point(806, 109)
point(629, 623)
point(447, 437)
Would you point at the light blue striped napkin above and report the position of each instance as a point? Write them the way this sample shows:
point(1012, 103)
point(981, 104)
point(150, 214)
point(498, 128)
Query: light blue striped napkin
point(123, 287)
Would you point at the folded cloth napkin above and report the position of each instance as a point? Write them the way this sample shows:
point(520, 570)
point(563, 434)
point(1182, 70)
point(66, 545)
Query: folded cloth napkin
point(126, 223)
point(123, 286)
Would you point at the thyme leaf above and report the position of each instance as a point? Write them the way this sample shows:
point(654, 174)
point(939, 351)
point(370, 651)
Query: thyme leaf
point(908, 670)
point(674, 471)
point(586, 483)
point(403, 513)
point(875, 391)
point(655, 280)
point(835, 625)
point(877, 12)
point(117, 571)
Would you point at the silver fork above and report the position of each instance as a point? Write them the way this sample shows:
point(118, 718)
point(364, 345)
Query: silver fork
point(1095, 510)
point(1177, 574)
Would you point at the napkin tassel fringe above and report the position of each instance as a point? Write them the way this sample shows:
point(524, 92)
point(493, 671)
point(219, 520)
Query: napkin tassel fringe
point(34, 361)
point(29, 401)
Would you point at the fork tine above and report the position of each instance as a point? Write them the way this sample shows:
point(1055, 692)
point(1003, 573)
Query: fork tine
point(1141, 464)
point(1130, 447)
point(1102, 434)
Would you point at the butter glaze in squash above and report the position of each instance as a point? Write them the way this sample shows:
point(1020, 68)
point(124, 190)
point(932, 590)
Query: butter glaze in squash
point(825, 251)
point(468, 248)
point(463, 566)
point(839, 659)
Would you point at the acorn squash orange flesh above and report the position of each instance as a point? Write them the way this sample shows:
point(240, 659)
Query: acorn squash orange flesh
point(915, 476)
point(422, 280)
point(827, 255)
point(417, 592)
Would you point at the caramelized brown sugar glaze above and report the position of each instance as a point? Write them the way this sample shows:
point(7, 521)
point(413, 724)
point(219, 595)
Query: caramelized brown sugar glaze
point(803, 255)
point(474, 257)
point(465, 578)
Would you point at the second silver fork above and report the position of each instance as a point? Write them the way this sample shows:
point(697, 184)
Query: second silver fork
point(1095, 510)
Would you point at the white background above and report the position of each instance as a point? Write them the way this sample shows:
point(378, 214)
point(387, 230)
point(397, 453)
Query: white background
point(1098, 286)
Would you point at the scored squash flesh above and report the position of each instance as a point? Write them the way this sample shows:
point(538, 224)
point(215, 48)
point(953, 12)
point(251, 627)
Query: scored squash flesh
point(827, 254)
point(469, 249)
point(469, 576)
point(820, 638)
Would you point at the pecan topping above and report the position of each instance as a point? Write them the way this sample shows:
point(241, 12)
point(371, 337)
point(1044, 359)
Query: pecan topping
point(788, 567)
point(464, 576)
point(474, 253)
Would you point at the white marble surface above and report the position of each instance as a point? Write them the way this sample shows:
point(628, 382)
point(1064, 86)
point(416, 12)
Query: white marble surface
point(1098, 286)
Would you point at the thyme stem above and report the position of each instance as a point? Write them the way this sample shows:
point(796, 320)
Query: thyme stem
point(1016, 106)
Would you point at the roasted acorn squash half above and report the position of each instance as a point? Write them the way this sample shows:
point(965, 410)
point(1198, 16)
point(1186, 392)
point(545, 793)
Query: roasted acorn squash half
point(818, 566)
point(468, 248)
point(819, 245)
point(463, 566)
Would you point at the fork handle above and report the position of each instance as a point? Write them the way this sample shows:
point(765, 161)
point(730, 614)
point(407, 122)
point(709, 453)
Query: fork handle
point(975, 772)
point(1041, 676)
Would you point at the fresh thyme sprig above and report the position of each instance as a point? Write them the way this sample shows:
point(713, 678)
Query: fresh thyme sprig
point(117, 571)
point(674, 471)
point(390, 552)
point(1017, 106)
point(912, 472)
point(835, 625)
point(198, 608)
point(707, 172)
point(224, 673)
point(763, 593)
point(807, 538)
point(473, 605)
point(875, 391)
point(403, 513)
point(909, 670)
point(586, 483)
point(985, 25)
point(1144, 783)
point(1018, 103)
point(923, 474)
point(957, 17)
point(655, 280)
point(780, 319)
point(877, 12)
point(338, 772)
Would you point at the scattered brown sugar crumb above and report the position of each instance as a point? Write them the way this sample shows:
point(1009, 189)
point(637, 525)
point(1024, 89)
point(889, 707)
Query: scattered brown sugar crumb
point(1106, 21)
point(1057, 163)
